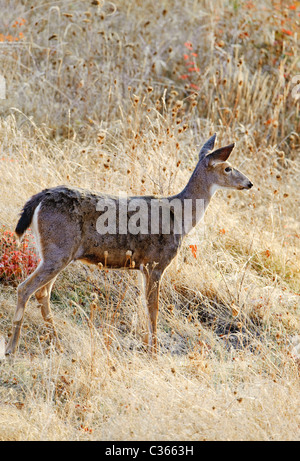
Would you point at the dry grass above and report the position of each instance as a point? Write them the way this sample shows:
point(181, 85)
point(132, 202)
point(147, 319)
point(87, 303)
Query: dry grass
point(95, 98)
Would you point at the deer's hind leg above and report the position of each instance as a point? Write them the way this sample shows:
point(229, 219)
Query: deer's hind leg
point(43, 297)
point(41, 278)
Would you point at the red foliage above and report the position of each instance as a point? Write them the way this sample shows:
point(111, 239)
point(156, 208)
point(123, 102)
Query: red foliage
point(189, 59)
point(16, 261)
point(194, 250)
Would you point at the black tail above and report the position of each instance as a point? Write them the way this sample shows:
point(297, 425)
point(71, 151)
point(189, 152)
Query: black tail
point(27, 213)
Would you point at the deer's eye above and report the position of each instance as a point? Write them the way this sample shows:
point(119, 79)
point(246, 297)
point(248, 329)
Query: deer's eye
point(228, 169)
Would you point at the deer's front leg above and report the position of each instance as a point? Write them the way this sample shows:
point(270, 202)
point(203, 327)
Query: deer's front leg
point(152, 284)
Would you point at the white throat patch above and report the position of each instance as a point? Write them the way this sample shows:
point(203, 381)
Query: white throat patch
point(214, 187)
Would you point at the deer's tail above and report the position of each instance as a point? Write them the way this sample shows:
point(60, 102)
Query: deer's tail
point(28, 211)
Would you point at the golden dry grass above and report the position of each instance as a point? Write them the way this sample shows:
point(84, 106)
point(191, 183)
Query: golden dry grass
point(95, 99)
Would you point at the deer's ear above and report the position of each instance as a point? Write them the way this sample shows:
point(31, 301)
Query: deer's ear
point(207, 147)
point(219, 155)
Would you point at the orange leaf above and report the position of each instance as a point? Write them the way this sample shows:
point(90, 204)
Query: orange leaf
point(188, 45)
point(194, 250)
point(268, 122)
point(287, 32)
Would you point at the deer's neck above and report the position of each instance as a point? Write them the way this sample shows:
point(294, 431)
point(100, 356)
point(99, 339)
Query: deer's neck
point(195, 198)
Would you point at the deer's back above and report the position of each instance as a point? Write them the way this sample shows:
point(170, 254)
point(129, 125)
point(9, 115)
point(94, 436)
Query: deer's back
point(72, 219)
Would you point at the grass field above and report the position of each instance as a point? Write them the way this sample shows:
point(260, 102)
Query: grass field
point(119, 96)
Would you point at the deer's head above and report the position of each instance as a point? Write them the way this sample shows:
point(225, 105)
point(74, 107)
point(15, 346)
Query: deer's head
point(218, 171)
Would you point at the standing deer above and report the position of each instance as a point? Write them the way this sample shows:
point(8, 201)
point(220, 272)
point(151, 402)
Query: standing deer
point(68, 226)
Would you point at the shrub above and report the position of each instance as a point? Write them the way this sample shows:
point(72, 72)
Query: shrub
point(17, 261)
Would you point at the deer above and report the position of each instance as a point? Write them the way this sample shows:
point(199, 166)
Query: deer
point(68, 226)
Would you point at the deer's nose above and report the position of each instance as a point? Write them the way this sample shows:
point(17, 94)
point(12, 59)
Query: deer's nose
point(250, 185)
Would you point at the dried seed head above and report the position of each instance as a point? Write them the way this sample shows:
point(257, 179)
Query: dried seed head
point(170, 308)
point(136, 99)
point(100, 137)
point(94, 296)
point(234, 310)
